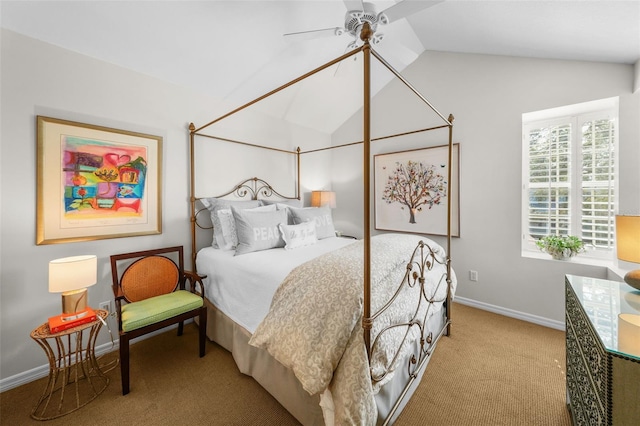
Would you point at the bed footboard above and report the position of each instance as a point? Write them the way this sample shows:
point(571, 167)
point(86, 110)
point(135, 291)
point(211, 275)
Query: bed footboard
point(426, 286)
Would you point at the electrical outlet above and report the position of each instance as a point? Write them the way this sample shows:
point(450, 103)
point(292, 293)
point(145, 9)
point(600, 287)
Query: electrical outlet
point(473, 275)
point(106, 306)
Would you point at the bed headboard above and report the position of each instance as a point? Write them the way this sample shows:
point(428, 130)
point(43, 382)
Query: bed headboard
point(249, 189)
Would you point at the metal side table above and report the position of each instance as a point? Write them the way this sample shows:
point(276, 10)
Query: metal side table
point(75, 378)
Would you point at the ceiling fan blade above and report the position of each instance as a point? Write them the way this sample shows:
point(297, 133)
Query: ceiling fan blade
point(353, 5)
point(324, 32)
point(403, 9)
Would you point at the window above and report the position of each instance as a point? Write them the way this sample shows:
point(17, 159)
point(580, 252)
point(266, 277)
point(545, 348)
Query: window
point(570, 175)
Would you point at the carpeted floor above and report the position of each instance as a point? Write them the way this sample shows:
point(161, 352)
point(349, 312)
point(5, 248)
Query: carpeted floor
point(492, 370)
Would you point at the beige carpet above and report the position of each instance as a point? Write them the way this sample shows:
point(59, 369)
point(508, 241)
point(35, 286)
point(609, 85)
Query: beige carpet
point(492, 370)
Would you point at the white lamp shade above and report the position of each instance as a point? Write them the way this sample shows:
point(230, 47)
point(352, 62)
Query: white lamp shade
point(323, 198)
point(72, 273)
point(628, 238)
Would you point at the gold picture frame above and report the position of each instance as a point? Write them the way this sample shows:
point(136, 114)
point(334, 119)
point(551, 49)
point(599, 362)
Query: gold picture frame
point(410, 190)
point(96, 182)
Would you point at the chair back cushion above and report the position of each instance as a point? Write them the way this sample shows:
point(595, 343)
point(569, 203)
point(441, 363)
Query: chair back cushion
point(149, 277)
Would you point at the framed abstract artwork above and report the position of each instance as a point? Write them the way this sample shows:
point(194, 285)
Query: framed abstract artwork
point(96, 182)
point(411, 191)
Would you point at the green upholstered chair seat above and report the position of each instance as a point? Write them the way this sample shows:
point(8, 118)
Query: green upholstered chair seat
point(155, 309)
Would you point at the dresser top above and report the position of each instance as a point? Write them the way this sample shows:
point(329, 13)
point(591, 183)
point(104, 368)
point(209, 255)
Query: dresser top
point(604, 301)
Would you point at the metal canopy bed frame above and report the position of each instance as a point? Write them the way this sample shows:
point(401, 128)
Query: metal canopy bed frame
point(423, 255)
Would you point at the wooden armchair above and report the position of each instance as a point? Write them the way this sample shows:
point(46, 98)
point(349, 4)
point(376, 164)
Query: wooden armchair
point(150, 294)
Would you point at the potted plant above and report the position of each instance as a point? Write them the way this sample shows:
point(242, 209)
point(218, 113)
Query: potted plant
point(561, 247)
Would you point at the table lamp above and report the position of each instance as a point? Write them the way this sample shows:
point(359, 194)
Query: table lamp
point(323, 198)
point(71, 276)
point(628, 245)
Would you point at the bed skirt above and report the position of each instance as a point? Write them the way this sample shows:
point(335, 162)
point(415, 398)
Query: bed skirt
point(282, 384)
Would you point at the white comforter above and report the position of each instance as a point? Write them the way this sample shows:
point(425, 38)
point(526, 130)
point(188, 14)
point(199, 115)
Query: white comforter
point(314, 324)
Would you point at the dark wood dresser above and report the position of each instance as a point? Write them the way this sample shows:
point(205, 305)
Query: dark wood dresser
point(603, 367)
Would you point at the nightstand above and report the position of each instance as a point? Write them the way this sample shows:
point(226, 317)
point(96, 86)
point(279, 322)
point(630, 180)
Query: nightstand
point(75, 378)
point(603, 379)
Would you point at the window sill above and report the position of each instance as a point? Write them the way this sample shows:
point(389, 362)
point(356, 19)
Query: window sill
point(582, 260)
point(614, 271)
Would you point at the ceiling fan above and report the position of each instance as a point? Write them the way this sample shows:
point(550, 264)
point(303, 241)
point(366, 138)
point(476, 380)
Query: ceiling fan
point(360, 12)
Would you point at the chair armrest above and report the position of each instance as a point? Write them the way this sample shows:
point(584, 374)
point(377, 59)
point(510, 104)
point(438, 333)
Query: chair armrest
point(201, 276)
point(195, 279)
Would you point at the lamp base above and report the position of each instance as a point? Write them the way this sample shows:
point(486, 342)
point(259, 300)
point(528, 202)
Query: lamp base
point(74, 301)
point(633, 278)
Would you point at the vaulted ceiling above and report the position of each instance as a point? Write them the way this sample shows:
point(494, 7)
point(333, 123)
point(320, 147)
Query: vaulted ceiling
point(235, 50)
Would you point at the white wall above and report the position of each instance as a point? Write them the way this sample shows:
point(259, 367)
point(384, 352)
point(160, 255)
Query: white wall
point(41, 79)
point(636, 84)
point(487, 95)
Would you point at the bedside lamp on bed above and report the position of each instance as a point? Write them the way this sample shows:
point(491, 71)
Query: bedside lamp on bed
point(323, 198)
point(71, 276)
point(628, 245)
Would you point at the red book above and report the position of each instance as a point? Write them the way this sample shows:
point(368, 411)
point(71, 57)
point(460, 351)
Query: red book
point(63, 322)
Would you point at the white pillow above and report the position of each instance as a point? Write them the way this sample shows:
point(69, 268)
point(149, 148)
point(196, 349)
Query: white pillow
point(292, 203)
point(258, 230)
point(214, 204)
point(228, 227)
point(229, 240)
point(301, 235)
point(287, 208)
point(321, 216)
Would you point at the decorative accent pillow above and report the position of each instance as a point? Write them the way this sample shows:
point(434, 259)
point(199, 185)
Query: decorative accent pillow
point(215, 204)
point(258, 230)
point(228, 226)
point(300, 235)
point(321, 216)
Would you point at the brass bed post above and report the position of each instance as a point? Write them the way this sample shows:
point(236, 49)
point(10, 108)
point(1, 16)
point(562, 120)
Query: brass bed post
point(298, 169)
point(192, 198)
point(448, 307)
point(365, 34)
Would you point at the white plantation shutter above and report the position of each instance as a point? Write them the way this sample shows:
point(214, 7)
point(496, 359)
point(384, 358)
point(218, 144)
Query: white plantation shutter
point(549, 180)
point(598, 182)
point(569, 179)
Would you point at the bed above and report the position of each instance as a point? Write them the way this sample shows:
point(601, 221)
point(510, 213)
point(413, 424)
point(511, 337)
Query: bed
point(338, 330)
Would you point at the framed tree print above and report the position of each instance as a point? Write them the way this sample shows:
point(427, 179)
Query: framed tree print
point(96, 182)
point(411, 191)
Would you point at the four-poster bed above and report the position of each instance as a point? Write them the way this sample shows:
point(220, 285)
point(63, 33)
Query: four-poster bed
point(392, 292)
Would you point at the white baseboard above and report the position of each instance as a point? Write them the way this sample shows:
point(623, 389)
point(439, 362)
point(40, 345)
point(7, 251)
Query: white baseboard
point(546, 322)
point(43, 370)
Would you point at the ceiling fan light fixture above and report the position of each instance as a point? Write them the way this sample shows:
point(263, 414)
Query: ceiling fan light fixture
point(354, 19)
point(383, 19)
